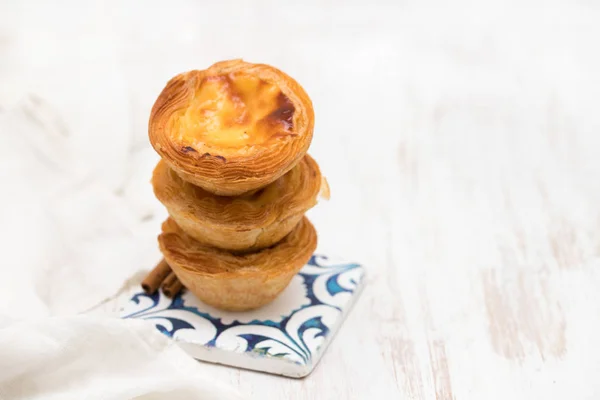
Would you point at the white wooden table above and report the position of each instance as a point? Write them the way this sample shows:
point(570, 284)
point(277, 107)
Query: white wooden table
point(461, 145)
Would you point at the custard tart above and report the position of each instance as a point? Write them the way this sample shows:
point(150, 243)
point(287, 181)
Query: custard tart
point(232, 128)
point(248, 222)
point(236, 282)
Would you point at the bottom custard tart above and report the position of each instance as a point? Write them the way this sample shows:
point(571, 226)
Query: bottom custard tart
point(236, 282)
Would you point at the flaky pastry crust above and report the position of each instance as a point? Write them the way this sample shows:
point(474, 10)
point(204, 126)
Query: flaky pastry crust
point(236, 282)
point(244, 223)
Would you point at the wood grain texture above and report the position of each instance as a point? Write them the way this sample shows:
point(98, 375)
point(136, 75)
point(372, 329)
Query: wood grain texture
point(461, 146)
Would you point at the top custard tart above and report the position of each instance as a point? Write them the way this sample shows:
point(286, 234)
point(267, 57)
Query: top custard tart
point(232, 128)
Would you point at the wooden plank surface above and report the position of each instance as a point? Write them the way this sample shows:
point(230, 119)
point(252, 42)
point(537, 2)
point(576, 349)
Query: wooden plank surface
point(461, 145)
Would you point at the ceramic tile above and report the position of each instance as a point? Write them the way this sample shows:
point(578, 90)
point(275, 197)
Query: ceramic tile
point(286, 337)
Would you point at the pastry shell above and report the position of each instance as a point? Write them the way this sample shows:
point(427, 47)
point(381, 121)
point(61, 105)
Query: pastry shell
point(229, 170)
point(244, 223)
point(236, 282)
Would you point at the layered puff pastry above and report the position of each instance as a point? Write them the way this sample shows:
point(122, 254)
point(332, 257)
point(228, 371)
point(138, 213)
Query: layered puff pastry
point(244, 223)
point(232, 128)
point(236, 282)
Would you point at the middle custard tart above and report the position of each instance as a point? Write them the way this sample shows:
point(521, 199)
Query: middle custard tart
point(248, 222)
point(232, 128)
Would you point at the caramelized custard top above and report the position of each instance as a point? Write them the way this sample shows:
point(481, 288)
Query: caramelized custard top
point(236, 110)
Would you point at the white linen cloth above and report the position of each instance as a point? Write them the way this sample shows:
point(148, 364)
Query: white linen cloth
point(82, 357)
point(70, 241)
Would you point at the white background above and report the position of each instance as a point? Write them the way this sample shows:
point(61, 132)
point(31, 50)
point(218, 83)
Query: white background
point(461, 142)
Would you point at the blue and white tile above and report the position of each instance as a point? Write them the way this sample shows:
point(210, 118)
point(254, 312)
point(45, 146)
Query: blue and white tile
point(286, 337)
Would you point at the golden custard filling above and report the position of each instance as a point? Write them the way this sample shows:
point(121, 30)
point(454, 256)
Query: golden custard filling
point(235, 110)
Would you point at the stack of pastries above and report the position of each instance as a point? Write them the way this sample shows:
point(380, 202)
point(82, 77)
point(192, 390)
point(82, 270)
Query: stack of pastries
point(236, 181)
